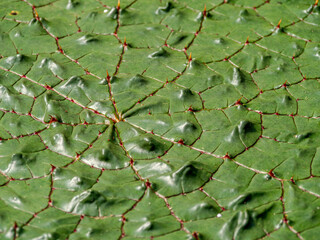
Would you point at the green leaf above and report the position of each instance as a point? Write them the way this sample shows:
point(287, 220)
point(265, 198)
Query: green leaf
point(171, 119)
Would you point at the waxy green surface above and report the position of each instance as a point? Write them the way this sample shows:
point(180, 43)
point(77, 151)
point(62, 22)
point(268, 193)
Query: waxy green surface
point(156, 119)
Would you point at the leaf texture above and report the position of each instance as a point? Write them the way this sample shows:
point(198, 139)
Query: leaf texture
point(158, 119)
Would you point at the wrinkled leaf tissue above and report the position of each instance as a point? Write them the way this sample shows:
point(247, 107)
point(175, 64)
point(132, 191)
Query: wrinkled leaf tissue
point(149, 119)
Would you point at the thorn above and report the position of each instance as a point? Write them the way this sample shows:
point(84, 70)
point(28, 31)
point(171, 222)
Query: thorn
point(285, 84)
point(108, 76)
point(190, 57)
point(226, 156)
point(205, 10)
point(247, 41)
point(190, 109)
point(271, 174)
point(59, 47)
point(316, 3)
point(148, 184)
point(181, 142)
point(291, 180)
point(47, 87)
point(36, 13)
point(53, 119)
point(278, 26)
point(238, 102)
point(195, 235)
point(52, 168)
point(13, 13)
point(125, 42)
point(118, 6)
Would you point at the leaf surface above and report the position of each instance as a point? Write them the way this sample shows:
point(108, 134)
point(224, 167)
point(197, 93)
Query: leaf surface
point(148, 119)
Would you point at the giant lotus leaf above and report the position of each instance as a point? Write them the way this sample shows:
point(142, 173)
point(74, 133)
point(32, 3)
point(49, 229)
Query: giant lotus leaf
point(157, 119)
